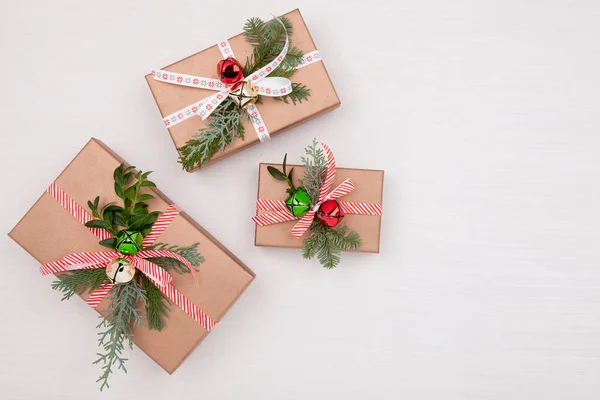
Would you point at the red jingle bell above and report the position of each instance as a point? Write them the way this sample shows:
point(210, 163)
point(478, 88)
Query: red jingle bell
point(230, 71)
point(330, 213)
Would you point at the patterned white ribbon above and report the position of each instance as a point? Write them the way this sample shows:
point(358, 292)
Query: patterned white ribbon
point(262, 83)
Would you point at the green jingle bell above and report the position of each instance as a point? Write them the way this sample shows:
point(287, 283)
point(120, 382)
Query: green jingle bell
point(129, 242)
point(298, 203)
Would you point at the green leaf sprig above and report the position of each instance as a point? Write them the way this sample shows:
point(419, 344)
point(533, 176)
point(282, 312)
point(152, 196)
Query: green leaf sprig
point(284, 175)
point(133, 214)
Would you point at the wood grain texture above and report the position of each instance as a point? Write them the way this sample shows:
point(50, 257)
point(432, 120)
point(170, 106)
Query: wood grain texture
point(484, 115)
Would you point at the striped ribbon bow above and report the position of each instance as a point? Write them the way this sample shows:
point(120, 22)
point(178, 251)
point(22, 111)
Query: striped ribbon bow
point(280, 212)
point(100, 259)
point(262, 84)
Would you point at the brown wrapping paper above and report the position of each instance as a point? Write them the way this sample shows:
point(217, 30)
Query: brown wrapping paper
point(368, 189)
point(277, 115)
point(48, 232)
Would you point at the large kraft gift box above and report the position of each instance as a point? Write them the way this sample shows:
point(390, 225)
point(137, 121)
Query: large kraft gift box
point(277, 115)
point(48, 232)
point(368, 189)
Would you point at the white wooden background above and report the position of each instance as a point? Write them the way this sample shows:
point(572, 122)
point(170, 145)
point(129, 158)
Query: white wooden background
point(484, 115)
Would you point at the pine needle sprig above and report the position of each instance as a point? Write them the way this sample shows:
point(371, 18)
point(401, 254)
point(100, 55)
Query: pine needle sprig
point(157, 306)
point(267, 39)
point(327, 243)
point(299, 92)
point(225, 125)
point(314, 167)
point(123, 314)
point(79, 282)
point(190, 253)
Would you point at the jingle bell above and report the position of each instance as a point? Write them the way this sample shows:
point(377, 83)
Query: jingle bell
point(298, 203)
point(129, 242)
point(120, 271)
point(243, 94)
point(230, 71)
point(330, 213)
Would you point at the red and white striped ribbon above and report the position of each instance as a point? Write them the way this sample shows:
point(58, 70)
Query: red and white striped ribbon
point(170, 254)
point(279, 212)
point(100, 259)
point(187, 306)
point(99, 294)
point(75, 210)
point(160, 225)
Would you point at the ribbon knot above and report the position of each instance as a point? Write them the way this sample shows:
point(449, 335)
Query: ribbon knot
point(280, 213)
point(259, 81)
point(101, 259)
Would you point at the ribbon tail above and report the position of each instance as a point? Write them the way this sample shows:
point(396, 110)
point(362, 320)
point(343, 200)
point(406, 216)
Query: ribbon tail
point(273, 87)
point(160, 225)
point(330, 173)
point(209, 104)
point(270, 67)
point(156, 274)
point(302, 225)
point(165, 253)
point(87, 260)
point(341, 190)
point(187, 306)
point(99, 294)
point(361, 208)
point(271, 218)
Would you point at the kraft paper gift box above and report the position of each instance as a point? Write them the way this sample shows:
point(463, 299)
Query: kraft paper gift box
point(277, 116)
point(49, 232)
point(368, 189)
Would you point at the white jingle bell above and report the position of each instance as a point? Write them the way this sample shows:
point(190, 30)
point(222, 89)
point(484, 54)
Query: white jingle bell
point(120, 270)
point(243, 94)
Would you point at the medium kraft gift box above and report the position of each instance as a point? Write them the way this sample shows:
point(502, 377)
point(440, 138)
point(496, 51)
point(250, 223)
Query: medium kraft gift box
point(368, 189)
point(49, 232)
point(278, 116)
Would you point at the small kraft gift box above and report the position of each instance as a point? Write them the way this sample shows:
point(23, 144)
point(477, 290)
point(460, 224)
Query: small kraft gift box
point(213, 106)
point(107, 233)
point(318, 207)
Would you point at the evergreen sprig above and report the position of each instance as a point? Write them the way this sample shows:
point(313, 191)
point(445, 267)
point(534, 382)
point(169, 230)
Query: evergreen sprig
point(299, 92)
point(133, 214)
point(190, 253)
point(79, 282)
point(284, 176)
point(158, 304)
point(123, 314)
point(268, 39)
point(314, 169)
point(325, 243)
point(226, 122)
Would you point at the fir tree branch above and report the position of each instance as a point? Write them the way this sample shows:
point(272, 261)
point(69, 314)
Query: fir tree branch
point(343, 238)
point(190, 253)
point(79, 281)
point(122, 315)
point(299, 92)
point(327, 243)
point(225, 125)
point(268, 39)
point(157, 307)
point(253, 31)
